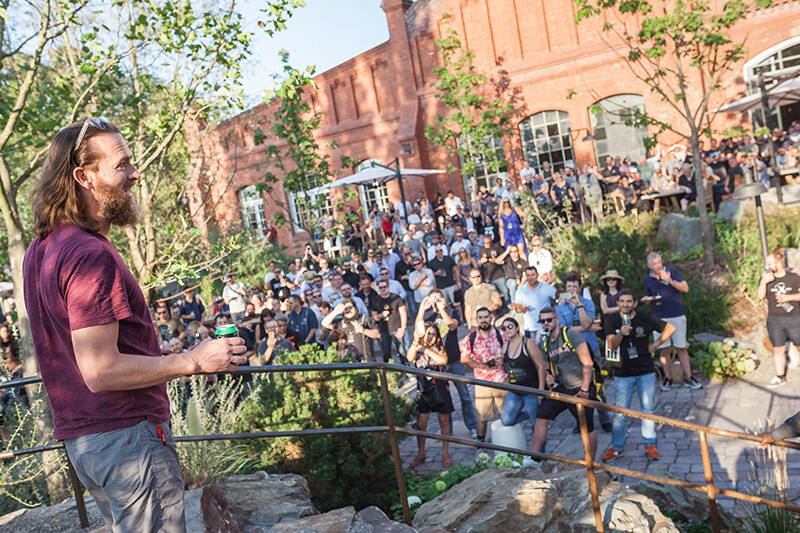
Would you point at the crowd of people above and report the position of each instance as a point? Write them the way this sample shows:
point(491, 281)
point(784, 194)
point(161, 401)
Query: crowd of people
point(462, 295)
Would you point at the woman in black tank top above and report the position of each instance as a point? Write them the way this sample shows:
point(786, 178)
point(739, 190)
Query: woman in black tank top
point(612, 283)
point(523, 362)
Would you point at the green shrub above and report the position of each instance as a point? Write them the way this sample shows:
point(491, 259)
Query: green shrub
point(203, 408)
point(722, 360)
point(348, 469)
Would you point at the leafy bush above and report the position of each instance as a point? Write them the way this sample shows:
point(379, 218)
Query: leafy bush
point(347, 469)
point(769, 479)
point(690, 525)
point(203, 408)
point(722, 360)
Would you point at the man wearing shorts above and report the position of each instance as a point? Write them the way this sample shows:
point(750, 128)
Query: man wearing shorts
point(662, 288)
point(569, 371)
point(781, 289)
point(95, 343)
point(482, 350)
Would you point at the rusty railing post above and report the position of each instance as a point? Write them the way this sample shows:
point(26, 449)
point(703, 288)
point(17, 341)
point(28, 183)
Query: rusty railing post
point(712, 494)
point(398, 462)
point(587, 452)
point(77, 488)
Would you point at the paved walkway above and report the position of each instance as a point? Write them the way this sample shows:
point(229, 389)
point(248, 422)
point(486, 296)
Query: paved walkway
point(743, 404)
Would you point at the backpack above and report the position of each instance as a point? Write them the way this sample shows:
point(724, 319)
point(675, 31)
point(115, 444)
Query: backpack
point(597, 378)
point(474, 334)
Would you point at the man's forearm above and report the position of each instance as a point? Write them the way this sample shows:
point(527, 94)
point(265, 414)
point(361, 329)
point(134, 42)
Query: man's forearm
point(787, 430)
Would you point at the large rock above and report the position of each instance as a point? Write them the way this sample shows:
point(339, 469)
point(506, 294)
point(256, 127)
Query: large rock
point(345, 520)
point(733, 210)
point(680, 232)
point(534, 501)
point(688, 504)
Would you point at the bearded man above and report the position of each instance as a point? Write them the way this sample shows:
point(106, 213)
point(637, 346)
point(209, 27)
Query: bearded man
point(95, 343)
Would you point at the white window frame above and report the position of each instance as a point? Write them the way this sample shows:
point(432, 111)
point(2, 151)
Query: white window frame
point(751, 78)
point(323, 210)
point(483, 176)
point(373, 193)
point(251, 204)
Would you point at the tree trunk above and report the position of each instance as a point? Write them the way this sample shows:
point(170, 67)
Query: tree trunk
point(706, 227)
point(57, 485)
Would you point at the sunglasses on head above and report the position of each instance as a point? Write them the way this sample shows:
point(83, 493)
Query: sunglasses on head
point(98, 123)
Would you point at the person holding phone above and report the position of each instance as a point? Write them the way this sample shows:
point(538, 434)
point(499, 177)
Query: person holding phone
point(781, 290)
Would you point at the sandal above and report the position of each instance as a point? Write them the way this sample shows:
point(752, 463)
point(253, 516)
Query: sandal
point(418, 460)
point(447, 461)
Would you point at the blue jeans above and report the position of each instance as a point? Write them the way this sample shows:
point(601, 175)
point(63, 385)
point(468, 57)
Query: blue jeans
point(623, 393)
point(467, 408)
point(500, 285)
point(512, 408)
point(511, 284)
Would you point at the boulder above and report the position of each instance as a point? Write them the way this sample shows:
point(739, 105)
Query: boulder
point(532, 501)
point(687, 504)
point(680, 232)
point(345, 520)
point(733, 210)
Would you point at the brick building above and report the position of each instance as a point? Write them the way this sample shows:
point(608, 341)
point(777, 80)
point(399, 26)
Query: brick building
point(381, 100)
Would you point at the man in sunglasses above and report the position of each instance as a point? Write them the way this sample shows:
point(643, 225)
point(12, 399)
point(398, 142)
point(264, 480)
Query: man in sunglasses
point(570, 369)
point(96, 346)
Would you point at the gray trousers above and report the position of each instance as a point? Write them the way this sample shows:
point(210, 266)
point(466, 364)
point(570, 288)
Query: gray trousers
point(134, 478)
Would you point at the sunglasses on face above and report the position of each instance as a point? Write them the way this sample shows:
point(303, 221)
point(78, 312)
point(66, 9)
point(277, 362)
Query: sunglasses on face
point(508, 327)
point(546, 320)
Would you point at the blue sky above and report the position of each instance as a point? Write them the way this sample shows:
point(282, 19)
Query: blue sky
point(323, 33)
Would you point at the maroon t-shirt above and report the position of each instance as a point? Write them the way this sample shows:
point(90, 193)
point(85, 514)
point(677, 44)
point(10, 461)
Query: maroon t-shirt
point(75, 279)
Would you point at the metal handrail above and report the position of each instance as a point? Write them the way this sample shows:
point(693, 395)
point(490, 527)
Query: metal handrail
point(587, 462)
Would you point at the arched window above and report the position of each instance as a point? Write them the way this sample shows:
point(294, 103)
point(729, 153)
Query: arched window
point(773, 62)
point(545, 137)
point(374, 193)
point(252, 206)
point(611, 135)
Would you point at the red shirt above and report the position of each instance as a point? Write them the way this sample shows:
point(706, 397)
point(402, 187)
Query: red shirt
point(486, 349)
point(75, 279)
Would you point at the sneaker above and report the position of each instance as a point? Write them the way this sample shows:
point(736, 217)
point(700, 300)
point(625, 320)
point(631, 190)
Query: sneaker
point(530, 462)
point(692, 383)
point(473, 433)
point(611, 455)
point(777, 381)
point(666, 384)
point(651, 452)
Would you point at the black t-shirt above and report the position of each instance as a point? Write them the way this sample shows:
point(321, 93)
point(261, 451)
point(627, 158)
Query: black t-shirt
point(788, 284)
point(351, 278)
point(450, 340)
point(446, 279)
point(359, 340)
point(491, 270)
point(515, 269)
point(367, 297)
point(403, 269)
point(641, 336)
point(393, 304)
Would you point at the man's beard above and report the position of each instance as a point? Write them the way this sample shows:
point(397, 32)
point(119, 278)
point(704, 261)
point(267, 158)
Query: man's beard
point(485, 326)
point(116, 206)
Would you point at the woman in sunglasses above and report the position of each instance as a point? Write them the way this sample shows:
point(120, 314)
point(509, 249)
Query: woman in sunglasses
point(427, 352)
point(523, 362)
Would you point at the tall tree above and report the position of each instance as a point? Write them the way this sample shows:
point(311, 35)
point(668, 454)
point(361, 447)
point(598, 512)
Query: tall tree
point(302, 164)
point(474, 118)
point(59, 60)
point(683, 50)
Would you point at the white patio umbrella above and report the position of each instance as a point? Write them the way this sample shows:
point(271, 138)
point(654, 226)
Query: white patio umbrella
point(785, 92)
point(375, 175)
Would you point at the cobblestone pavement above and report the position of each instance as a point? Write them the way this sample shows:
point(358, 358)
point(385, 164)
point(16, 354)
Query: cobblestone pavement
point(743, 404)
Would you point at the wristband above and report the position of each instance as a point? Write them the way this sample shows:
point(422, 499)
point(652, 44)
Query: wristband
point(580, 306)
point(585, 391)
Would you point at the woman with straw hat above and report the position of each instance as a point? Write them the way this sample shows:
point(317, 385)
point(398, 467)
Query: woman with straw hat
point(612, 283)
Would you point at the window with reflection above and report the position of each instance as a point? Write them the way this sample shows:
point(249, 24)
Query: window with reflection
point(546, 137)
point(611, 134)
point(372, 194)
point(252, 205)
point(485, 174)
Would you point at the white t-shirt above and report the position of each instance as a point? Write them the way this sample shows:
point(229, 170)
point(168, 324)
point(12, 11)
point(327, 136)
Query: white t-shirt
point(451, 205)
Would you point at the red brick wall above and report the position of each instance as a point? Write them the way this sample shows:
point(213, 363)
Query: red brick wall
point(374, 102)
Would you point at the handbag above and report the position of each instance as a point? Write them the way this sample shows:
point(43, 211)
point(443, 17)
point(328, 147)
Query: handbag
point(430, 394)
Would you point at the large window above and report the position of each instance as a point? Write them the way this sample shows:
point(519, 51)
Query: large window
point(545, 137)
point(484, 175)
point(312, 206)
point(611, 135)
point(252, 205)
point(774, 62)
point(373, 193)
